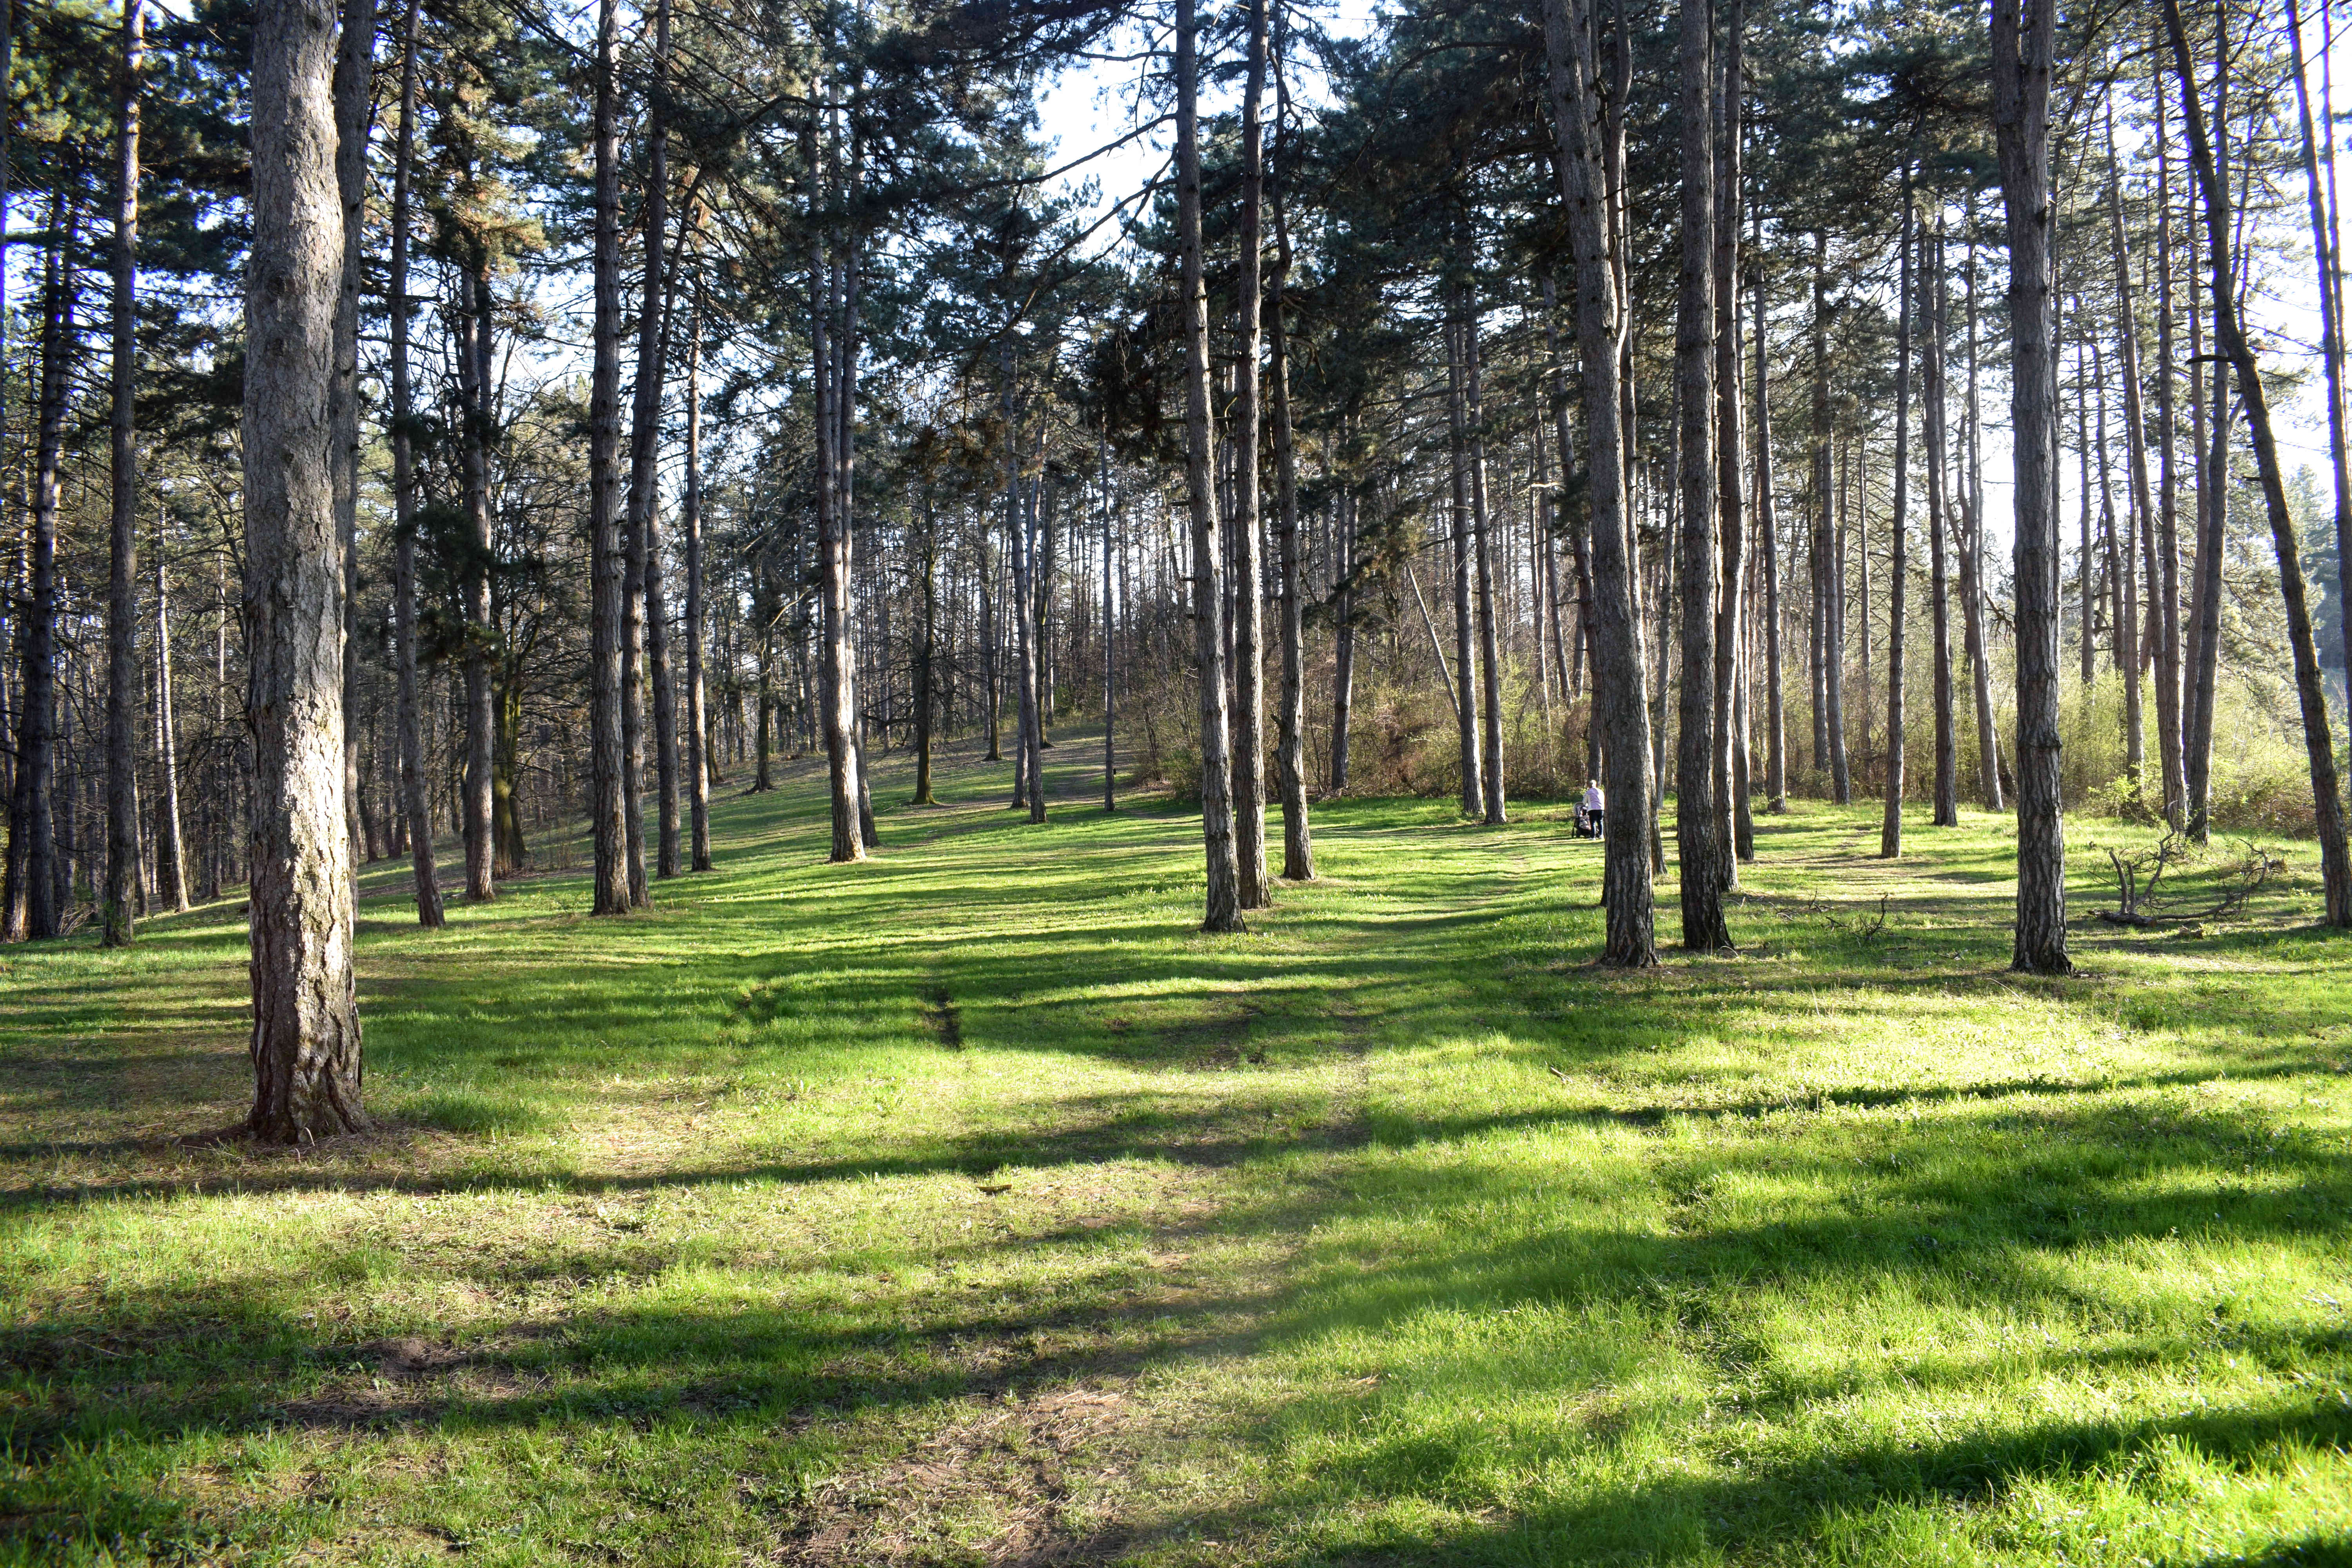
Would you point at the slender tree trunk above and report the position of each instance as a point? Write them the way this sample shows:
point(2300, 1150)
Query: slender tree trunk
point(2164, 564)
point(2327, 263)
point(306, 1025)
point(1767, 535)
point(122, 682)
point(1698, 846)
point(1969, 542)
point(1247, 579)
point(1343, 635)
point(478, 802)
point(354, 102)
point(1589, 162)
point(2212, 486)
point(1223, 901)
point(1829, 593)
point(608, 810)
point(1466, 694)
point(699, 758)
point(2158, 624)
point(33, 907)
point(403, 491)
point(1734, 827)
point(644, 447)
point(2327, 801)
point(2023, 39)
point(1290, 755)
point(1109, 628)
point(170, 858)
point(1934, 419)
point(1898, 550)
point(1490, 658)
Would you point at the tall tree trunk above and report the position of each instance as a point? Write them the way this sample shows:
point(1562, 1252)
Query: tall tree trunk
point(404, 492)
point(1734, 827)
point(1698, 846)
point(1768, 538)
point(1110, 637)
point(1490, 657)
point(33, 907)
point(1343, 638)
point(122, 682)
point(1898, 548)
point(2024, 40)
point(645, 446)
point(1968, 545)
point(1588, 165)
point(699, 769)
point(2164, 561)
point(170, 857)
point(306, 1024)
point(2327, 801)
point(1223, 899)
point(475, 361)
point(927, 638)
point(1828, 592)
point(608, 810)
point(2328, 265)
point(1934, 424)
point(354, 105)
point(2213, 490)
point(1466, 694)
point(1290, 744)
point(2157, 624)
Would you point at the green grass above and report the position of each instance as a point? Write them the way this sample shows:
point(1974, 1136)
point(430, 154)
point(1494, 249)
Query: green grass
point(969, 1206)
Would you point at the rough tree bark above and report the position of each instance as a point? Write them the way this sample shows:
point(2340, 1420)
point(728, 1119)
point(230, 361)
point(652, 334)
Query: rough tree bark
point(123, 681)
point(1223, 897)
point(606, 809)
point(2024, 40)
point(1586, 164)
point(1466, 693)
point(354, 104)
point(2327, 800)
point(644, 448)
point(1735, 828)
point(306, 1024)
point(1248, 717)
point(1698, 846)
point(403, 493)
point(1898, 548)
point(1290, 741)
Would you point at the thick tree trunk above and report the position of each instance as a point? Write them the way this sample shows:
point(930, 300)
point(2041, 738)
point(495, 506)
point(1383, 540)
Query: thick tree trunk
point(1588, 163)
point(414, 813)
point(122, 682)
point(1898, 548)
point(2024, 40)
point(1223, 897)
point(2327, 800)
point(608, 811)
point(1698, 846)
point(306, 1025)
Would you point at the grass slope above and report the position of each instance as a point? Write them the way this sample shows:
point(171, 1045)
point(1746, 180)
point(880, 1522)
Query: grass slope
point(968, 1206)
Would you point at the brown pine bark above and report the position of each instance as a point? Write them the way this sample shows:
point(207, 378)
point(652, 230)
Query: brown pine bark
point(2023, 41)
point(1224, 897)
point(1290, 743)
point(477, 783)
point(306, 1025)
point(644, 443)
point(1734, 827)
point(2327, 800)
point(1698, 846)
point(1898, 548)
point(32, 905)
point(123, 681)
point(1591, 157)
point(419, 819)
point(1247, 579)
point(607, 809)
point(354, 100)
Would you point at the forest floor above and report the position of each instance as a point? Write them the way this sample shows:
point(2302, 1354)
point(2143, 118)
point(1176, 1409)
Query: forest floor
point(968, 1206)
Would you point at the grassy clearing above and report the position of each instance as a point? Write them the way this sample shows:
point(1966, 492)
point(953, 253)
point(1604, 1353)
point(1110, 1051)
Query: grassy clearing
point(967, 1207)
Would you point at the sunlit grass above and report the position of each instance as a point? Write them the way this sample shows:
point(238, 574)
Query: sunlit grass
point(969, 1206)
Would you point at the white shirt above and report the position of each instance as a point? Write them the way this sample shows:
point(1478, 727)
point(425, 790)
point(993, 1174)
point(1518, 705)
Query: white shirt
point(1592, 801)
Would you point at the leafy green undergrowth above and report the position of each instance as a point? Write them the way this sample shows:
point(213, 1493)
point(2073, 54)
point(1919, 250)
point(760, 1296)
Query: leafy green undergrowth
point(968, 1205)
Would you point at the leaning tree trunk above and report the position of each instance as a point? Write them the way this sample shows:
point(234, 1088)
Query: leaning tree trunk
point(607, 810)
point(1586, 164)
point(1698, 845)
point(1224, 901)
point(2024, 40)
point(1898, 562)
point(123, 681)
point(306, 1025)
point(2327, 801)
point(404, 492)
